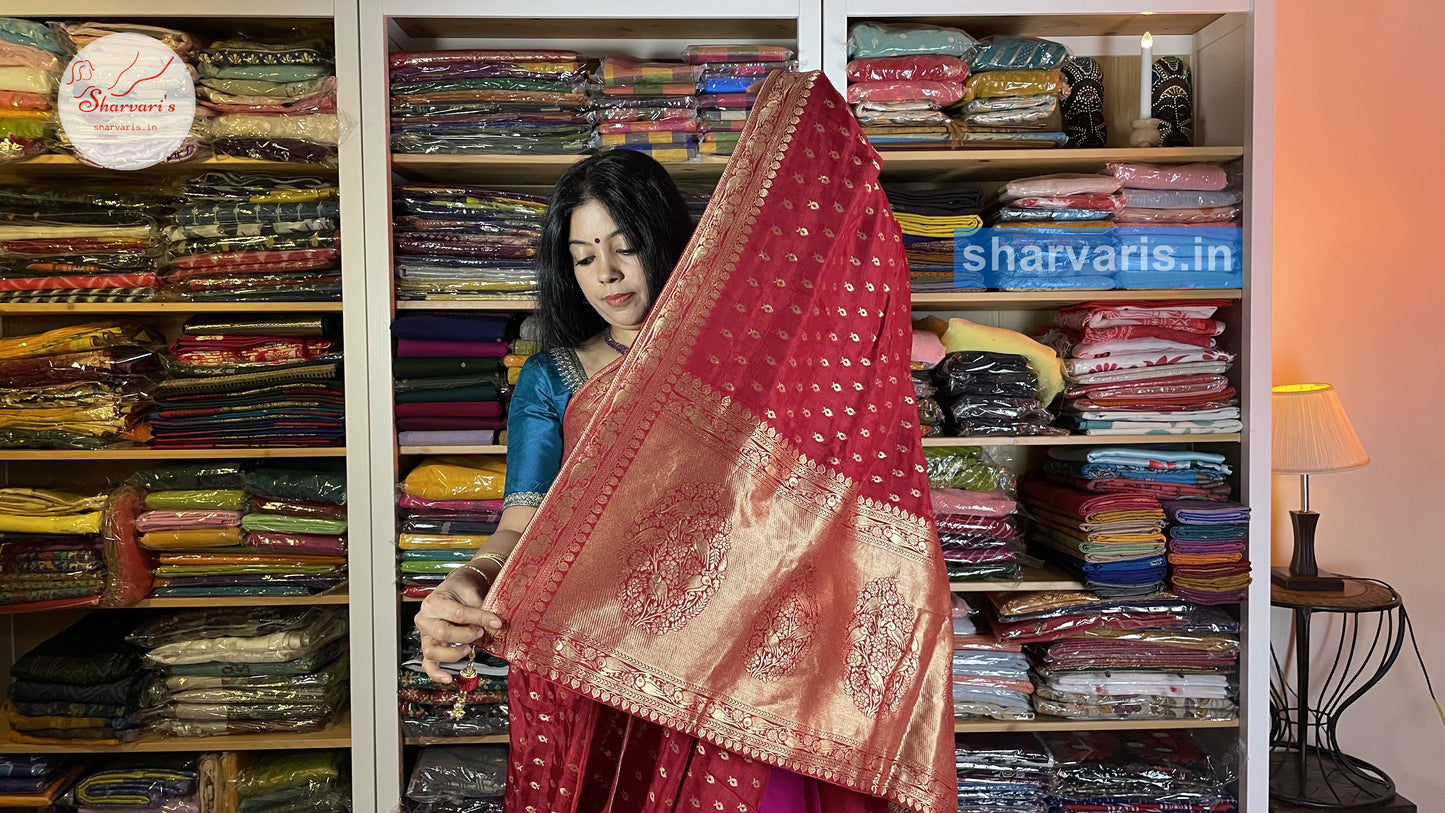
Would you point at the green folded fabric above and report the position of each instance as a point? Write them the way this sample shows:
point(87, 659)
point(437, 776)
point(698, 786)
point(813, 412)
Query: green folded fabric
point(434, 367)
point(228, 499)
point(320, 485)
point(450, 395)
point(283, 523)
point(176, 571)
point(268, 73)
point(464, 555)
point(429, 567)
point(278, 772)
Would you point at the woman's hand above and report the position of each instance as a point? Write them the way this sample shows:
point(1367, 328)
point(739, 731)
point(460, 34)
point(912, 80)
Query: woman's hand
point(451, 619)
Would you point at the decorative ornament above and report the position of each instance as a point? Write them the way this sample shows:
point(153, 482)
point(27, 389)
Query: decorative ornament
point(1174, 101)
point(1083, 108)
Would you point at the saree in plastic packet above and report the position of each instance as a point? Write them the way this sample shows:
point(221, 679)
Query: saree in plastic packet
point(683, 610)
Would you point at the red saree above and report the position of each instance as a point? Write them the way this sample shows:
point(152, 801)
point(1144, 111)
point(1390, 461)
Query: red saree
point(734, 569)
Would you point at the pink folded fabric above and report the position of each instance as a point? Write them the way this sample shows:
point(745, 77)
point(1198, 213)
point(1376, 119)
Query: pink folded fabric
point(451, 409)
point(183, 520)
point(319, 544)
point(927, 348)
point(409, 501)
point(422, 348)
point(1212, 214)
point(1191, 177)
point(940, 93)
point(1085, 504)
point(980, 503)
point(1055, 185)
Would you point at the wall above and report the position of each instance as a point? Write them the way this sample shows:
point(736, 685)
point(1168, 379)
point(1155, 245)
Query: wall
point(1357, 293)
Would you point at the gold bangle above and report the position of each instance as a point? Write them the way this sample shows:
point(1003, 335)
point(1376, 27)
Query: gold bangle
point(493, 557)
point(477, 571)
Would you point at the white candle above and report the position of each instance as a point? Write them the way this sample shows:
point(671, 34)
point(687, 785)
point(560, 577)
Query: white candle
point(1146, 76)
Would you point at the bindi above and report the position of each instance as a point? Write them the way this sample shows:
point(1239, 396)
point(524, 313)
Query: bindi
point(597, 240)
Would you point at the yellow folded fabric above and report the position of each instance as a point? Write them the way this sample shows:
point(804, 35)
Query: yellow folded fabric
point(20, 722)
point(87, 523)
point(460, 477)
point(440, 542)
point(42, 502)
point(932, 226)
point(69, 339)
point(192, 538)
point(961, 334)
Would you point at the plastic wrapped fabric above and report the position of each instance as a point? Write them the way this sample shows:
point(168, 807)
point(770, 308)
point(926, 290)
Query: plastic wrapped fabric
point(196, 500)
point(969, 571)
point(1115, 771)
point(284, 150)
point(1213, 214)
point(1015, 83)
point(231, 622)
point(278, 772)
point(1185, 177)
point(940, 94)
point(143, 785)
point(1005, 53)
point(983, 373)
point(869, 40)
point(979, 411)
point(969, 468)
point(295, 722)
point(435, 721)
point(318, 485)
point(453, 774)
point(471, 477)
point(913, 68)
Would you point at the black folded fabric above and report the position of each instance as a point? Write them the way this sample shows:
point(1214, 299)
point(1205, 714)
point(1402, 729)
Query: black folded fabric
point(407, 368)
point(951, 201)
point(446, 394)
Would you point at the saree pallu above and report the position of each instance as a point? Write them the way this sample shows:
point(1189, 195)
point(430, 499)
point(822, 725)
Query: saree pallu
point(735, 568)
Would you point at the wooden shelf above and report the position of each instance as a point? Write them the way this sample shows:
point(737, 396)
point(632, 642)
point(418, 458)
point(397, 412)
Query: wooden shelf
point(338, 736)
point(1047, 723)
point(940, 166)
point(66, 164)
point(1042, 18)
point(481, 739)
point(1081, 440)
point(1045, 577)
point(145, 308)
point(147, 453)
point(467, 305)
point(1052, 300)
point(337, 596)
point(531, 170)
point(452, 449)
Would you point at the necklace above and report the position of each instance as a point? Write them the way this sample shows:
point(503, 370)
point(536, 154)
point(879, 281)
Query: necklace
point(613, 343)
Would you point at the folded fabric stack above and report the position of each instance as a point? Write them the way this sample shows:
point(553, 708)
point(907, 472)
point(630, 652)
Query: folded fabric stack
point(974, 515)
point(930, 220)
point(74, 387)
point(1015, 87)
point(241, 237)
point(252, 670)
point(37, 780)
point(277, 101)
point(990, 677)
point(499, 102)
point(1137, 770)
point(1163, 474)
point(465, 242)
point(32, 58)
point(251, 382)
point(1208, 550)
point(78, 687)
point(83, 33)
point(458, 777)
point(635, 106)
point(60, 244)
point(1113, 542)
point(51, 553)
point(990, 394)
point(1052, 232)
point(139, 784)
point(448, 391)
point(1002, 773)
point(426, 707)
point(450, 505)
point(731, 78)
point(963, 336)
point(1142, 659)
point(900, 77)
point(1193, 211)
point(1145, 368)
point(527, 344)
point(312, 781)
point(282, 532)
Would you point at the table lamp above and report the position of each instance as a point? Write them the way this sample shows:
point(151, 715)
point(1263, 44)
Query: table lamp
point(1312, 435)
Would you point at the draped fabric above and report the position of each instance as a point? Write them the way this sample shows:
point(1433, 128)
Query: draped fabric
point(736, 552)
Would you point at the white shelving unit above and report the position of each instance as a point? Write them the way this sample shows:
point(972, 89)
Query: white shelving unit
point(336, 22)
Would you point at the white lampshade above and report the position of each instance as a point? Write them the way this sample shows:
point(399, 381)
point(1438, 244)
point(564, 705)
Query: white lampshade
point(1312, 433)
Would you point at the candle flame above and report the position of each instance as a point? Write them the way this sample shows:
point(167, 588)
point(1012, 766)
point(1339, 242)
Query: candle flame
point(1146, 41)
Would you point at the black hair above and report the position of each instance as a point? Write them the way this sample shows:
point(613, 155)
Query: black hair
point(651, 215)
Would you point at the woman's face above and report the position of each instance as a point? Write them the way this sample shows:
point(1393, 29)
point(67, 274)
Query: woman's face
point(608, 268)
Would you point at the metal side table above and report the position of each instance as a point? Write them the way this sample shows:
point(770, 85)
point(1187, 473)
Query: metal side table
point(1307, 769)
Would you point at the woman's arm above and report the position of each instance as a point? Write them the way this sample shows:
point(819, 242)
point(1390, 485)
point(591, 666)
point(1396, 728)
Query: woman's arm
point(452, 618)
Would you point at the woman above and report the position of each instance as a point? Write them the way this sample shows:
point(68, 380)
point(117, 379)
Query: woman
point(731, 583)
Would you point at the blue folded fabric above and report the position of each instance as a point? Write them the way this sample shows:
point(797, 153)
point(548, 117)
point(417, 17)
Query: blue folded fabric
point(432, 327)
point(1178, 279)
point(32, 765)
point(1021, 282)
point(1207, 533)
point(728, 84)
point(1201, 512)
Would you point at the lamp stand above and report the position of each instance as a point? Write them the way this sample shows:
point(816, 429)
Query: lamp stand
point(1303, 573)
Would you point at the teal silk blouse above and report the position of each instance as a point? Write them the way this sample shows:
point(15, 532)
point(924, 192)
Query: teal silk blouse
point(534, 424)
